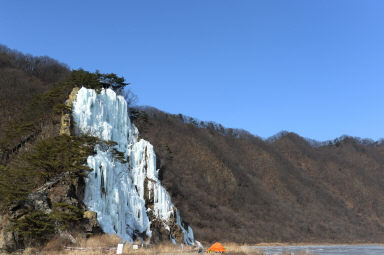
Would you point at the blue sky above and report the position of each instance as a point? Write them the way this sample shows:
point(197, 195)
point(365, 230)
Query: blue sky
point(314, 67)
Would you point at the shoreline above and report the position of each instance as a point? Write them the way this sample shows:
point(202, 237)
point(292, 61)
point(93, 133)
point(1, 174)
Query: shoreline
point(312, 244)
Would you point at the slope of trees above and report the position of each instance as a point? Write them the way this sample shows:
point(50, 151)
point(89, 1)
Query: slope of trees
point(32, 95)
point(21, 78)
point(232, 186)
point(228, 184)
point(33, 91)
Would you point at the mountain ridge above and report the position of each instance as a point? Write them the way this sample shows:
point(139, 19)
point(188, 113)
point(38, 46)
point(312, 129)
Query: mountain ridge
point(301, 192)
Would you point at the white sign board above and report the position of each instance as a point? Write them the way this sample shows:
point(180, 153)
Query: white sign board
point(135, 247)
point(119, 248)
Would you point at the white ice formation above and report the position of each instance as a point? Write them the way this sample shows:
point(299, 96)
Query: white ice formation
point(115, 190)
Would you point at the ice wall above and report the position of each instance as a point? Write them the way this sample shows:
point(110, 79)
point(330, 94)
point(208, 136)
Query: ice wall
point(116, 190)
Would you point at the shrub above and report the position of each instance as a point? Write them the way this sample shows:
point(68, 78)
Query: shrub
point(46, 159)
point(64, 215)
point(60, 154)
point(97, 80)
point(34, 226)
point(39, 226)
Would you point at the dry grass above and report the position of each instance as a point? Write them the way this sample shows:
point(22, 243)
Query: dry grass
point(165, 248)
point(94, 245)
point(78, 253)
point(238, 249)
point(56, 244)
point(100, 244)
point(235, 247)
point(97, 241)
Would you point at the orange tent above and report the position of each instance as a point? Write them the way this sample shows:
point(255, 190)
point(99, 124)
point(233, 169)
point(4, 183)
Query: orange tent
point(216, 247)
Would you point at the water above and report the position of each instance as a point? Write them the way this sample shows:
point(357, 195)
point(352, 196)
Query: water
point(324, 249)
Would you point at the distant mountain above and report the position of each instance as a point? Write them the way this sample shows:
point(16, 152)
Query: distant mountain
point(232, 186)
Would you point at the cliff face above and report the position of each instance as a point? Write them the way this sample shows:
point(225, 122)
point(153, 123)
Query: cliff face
point(123, 188)
point(120, 195)
point(66, 118)
point(36, 124)
point(63, 189)
point(233, 186)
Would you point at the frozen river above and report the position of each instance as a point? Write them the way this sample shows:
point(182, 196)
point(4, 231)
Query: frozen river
point(324, 249)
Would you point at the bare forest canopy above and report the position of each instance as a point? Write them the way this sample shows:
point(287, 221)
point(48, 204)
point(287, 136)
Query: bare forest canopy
point(233, 186)
point(22, 77)
point(244, 134)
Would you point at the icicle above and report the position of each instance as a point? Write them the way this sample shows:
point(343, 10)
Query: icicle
point(116, 190)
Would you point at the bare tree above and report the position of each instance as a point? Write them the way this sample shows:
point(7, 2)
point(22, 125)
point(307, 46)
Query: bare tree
point(130, 97)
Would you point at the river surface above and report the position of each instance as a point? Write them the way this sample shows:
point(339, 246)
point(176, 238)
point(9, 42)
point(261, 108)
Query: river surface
point(323, 249)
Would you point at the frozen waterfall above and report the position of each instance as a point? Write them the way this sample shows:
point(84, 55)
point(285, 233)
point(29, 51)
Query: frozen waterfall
point(116, 190)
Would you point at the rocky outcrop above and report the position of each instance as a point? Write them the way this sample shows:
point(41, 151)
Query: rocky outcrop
point(92, 225)
point(63, 189)
point(165, 231)
point(162, 230)
point(66, 118)
point(9, 240)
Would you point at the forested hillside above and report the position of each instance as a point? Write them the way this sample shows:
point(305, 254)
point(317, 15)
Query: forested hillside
point(228, 184)
point(22, 77)
point(233, 186)
point(42, 169)
point(32, 95)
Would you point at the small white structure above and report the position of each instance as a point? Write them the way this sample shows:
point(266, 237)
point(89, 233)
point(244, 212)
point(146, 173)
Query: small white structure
point(135, 247)
point(120, 248)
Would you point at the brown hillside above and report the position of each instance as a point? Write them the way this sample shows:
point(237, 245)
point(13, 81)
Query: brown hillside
point(22, 77)
point(228, 184)
point(232, 186)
